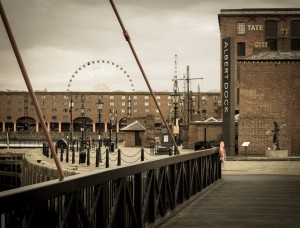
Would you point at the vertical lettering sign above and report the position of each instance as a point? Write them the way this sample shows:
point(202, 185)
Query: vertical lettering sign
point(226, 71)
point(228, 95)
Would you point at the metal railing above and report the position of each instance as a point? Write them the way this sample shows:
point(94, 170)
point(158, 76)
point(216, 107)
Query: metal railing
point(139, 195)
point(72, 155)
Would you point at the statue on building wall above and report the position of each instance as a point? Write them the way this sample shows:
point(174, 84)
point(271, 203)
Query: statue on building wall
point(276, 136)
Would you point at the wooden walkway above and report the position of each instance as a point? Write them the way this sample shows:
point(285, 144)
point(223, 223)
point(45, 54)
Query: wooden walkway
point(245, 201)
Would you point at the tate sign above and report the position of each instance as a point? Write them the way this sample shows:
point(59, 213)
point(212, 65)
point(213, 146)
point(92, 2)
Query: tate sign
point(255, 27)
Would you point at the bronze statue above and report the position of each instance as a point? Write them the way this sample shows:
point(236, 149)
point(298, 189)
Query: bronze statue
point(276, 136)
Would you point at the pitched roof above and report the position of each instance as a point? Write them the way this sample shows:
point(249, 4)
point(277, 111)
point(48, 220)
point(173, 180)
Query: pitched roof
point(135, 126)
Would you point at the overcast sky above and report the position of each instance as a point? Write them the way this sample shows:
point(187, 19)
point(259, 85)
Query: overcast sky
point(55, 38)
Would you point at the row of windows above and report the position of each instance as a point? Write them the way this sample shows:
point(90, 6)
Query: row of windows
point(87, 97)
point(271, 43)
point(271, 35)
point(271, 28)
point(78, 111)
point(146, 104)
point(112, 103)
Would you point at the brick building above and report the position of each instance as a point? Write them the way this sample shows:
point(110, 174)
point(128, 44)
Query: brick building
point(18, 116)
point(267, 75)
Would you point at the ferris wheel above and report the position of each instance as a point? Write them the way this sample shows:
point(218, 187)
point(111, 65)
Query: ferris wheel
point(100, 76)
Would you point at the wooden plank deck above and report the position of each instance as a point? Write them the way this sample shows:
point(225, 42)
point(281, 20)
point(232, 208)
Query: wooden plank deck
point(245, 201)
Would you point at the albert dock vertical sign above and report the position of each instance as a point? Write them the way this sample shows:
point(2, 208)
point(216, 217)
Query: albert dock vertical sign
point(228, 101)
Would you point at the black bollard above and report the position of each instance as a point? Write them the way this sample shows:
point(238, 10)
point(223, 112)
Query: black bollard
point(82, 157)
point(142, 154)
point(107, 158)
point(97, 157)
point(46, 150)
point(170, 151)
point(67, 155)
point(119, 157)
point(73, 155)
point(88, 157)
point(61, 154)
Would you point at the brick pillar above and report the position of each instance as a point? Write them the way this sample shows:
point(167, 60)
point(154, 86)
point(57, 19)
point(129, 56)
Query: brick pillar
point(15, 126)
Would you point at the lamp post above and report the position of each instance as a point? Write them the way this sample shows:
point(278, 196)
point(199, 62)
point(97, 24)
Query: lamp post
point(110, 126)
point(175, 98)
point(116, 114)
point(82, 110)
point(71, 128)
point(99, 107)
point(129, 106)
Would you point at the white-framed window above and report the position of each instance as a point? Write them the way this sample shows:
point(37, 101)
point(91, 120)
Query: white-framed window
point(158, 97)
point(112, 103)
point(146, 97)
point(241, 28)
point(111, 97)
point(123, 103)
point(135, 97)
point(146, 103)
point(147, 110)
point(123, 97)
point(123, 111)
point(66, 97)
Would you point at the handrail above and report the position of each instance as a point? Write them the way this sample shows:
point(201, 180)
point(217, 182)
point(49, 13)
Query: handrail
point(184, 170)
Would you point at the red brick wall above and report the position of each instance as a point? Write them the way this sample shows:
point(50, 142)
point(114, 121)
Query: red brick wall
point(269, 91)
point(196, 133)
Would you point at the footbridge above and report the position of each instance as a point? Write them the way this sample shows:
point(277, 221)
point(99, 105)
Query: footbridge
point(139, 195)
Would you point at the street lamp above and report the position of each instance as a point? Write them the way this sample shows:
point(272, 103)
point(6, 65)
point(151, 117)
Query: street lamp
point(111, 117)
point(71, 128)
point(82, 111)
point(99, 107)
point(129, 106)
point(175, 98)
point(116, 114)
